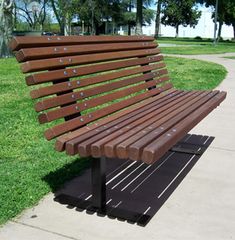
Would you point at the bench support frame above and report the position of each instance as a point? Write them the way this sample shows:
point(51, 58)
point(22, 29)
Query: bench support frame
point(98, 182)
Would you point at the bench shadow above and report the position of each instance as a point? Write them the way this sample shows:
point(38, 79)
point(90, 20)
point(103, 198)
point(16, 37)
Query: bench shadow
point(135, 191)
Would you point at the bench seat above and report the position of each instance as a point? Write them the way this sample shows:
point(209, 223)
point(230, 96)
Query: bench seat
point(144, 133)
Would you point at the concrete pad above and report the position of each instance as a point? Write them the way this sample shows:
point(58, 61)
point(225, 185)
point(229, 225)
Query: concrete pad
point(202, 207)
point(17, 231)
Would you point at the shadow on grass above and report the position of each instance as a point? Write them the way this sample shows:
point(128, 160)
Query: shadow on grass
point(57, 178)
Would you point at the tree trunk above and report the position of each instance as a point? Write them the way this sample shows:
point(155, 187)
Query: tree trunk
point(157, 21)
point(177, 30)
point(139, 17)
point(129, 25)
point(219, 31)
point(5, 27)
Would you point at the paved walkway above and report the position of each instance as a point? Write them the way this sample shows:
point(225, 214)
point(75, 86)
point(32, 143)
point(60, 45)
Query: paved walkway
point(202, 207)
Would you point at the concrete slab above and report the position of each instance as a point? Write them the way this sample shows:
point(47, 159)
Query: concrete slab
point(18, 231)
point(202, 207)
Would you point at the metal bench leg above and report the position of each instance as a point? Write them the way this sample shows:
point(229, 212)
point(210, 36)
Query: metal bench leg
point(98, 180)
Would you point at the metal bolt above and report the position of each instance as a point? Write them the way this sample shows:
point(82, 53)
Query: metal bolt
point(90, 116)
point(65, 73)
point(70, 60)
point(55, 49)
point(48, 39)
point(78, 82)
point(65, 49)
point(74, 71)
point(72, 96)
point(69, 84)
point(174, 130)
point(85, 104)
point(77, 108)
point(58, 38)
point(168, 134)
point(81, 94)
point(81, 119)
point(61, 60)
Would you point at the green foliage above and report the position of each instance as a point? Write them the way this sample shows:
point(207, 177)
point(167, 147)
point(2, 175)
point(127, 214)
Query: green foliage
point(226, 11)
point(180, 12)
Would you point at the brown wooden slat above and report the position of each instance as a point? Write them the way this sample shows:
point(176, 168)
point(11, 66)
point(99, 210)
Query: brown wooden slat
point(78, 95)
point(81, 121)
point(53, 63)
point(85, 70)
point(135, 149)
point(78, 107)
point(112, 130)
point(157, 148)
point(60, 141)
point(44, 41)
point(120, 146)
point(97, 147)
point(60, 51)
point(61, 87)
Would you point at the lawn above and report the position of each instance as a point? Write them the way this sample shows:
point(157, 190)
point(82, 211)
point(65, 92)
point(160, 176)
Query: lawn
point(192, 46)
point(231, 57)
point(29, 167)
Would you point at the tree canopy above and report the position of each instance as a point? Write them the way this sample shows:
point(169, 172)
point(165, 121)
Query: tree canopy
point(180, 12)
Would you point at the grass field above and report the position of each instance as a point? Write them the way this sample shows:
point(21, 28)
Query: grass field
point(192, 46)
point(29, 167)
point(231, 57)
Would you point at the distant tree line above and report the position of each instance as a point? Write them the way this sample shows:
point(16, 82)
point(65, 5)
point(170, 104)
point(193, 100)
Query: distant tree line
point(38, 14)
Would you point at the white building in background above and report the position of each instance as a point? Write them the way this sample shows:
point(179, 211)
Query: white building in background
point(204, 28)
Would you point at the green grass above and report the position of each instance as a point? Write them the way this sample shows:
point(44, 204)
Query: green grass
point(192, 74)
point(29, 166)
point(231, 57)
point(191, 46)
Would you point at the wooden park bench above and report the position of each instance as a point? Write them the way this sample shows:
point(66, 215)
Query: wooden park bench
point(114, 95)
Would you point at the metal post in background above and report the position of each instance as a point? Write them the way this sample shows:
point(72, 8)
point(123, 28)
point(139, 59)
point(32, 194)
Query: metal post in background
point(215, 19)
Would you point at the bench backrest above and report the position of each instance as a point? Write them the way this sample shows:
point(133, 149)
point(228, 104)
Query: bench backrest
point(129, 69)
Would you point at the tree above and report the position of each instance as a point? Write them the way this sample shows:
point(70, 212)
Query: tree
point(229, 18)
point(64, 11)
point(34, 13)
point(180, 12)
point(139, 17)
point(226, 13)
point(158, 18)
point(5, 26)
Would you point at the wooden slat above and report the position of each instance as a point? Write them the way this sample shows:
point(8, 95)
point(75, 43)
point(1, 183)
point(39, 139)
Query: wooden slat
point(44, 41)
point(65, 86)
point(114, 118)
point(97, 147)
point(112, 130)
point(81, 121)
point(85, 70)
point(60, 51)
point(78, 95)
point(53, 63)
point(135, 149)
point(120, 145)
point(78, 107)
point(157, 148)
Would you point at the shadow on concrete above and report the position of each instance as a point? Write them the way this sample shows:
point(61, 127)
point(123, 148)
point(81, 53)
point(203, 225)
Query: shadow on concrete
point(135, 191)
